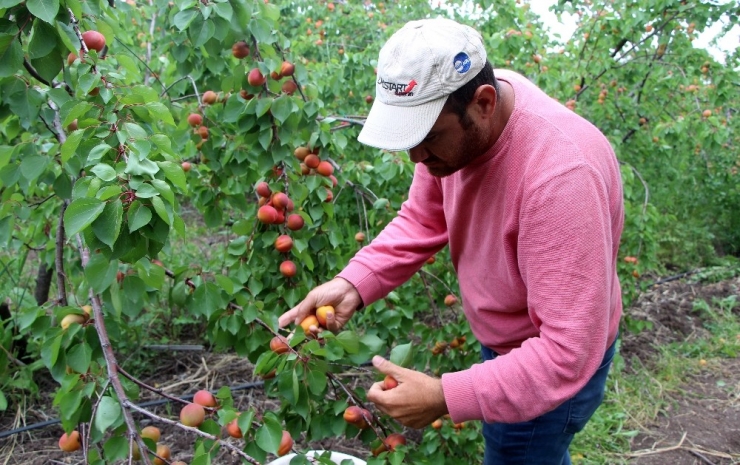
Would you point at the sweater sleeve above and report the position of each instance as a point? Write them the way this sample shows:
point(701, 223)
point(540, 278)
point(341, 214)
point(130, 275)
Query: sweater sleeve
point(416, 233)
point(565, 258)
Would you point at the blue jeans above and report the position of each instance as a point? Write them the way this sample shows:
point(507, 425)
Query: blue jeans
point(545, 439)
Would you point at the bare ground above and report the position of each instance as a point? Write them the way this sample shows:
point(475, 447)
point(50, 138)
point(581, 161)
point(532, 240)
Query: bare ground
point(701, 426)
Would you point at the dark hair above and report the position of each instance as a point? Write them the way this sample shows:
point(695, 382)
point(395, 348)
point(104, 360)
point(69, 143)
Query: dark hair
point(458, 101)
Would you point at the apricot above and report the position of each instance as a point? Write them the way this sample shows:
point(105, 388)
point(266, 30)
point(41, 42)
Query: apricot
point(312, 161)
point(288, 269)
point(356, 416)
point(301, 153)
point(283, 243)
point(390, 382)
point(164, 452)
point(286, 443)
point(233, 429)
point(71, 318)
point(263, 190)
point(450, 300)
point(255, 77)
point(209, 97)
point(394, 440)
point(186, 166)
point(280, 200)
point(93, 40)
point(289, 87)
point(360, 237)
point(279, 345)
point(295, 222)
point(194, 119)
point(203, 132)
point(71, 58)
point(204, 398)
point(309, 321)
point(437, 424)
point(192, 415)
point(325, 168)
point(322, 313)
point(240, 49)
point(267, 214)
point(287, 68)
point(151, 432)
point(70, 442)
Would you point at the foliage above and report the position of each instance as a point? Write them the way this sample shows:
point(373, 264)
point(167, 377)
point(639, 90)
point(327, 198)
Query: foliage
point(99, 167)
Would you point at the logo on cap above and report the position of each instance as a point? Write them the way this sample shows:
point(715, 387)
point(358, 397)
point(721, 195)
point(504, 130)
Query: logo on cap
point(398, 88)
point(461, 62)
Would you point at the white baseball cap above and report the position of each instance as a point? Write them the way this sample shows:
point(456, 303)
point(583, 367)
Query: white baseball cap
point(418, 68)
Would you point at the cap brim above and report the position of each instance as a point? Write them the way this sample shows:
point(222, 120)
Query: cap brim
point(397, 128)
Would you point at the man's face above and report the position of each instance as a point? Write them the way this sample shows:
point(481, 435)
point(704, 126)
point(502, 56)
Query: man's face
point(451, 144)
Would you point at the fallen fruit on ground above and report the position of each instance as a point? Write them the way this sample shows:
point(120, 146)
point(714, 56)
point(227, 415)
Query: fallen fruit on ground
point(151, 432)
point(164, 452)
point(70, 442)
point(192, 415)
point(204, 398)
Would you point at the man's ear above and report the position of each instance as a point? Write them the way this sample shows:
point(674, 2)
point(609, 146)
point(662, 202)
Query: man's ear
point(483, 104)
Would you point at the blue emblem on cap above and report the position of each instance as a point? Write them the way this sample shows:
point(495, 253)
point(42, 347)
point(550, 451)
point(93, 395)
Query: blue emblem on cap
point(461, 62)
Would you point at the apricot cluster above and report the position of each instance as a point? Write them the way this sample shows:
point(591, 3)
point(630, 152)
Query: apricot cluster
point(273, 208)
point(311, 163)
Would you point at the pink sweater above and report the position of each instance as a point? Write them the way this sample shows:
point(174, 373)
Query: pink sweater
point(533, 228)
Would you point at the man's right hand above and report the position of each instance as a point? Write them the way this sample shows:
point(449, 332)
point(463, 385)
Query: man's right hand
point(339, 293)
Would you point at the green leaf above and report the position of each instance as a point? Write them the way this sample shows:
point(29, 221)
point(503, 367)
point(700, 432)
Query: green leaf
point(11, 59)
point(49, 66)
point(163, 143)
point(81, 213)
point(348, 340)
point(201, 31)
point(70, 145)
point(72, 110)
point(97, 153)
point(3, 402)
point(139, 215)
point(183, 19)
point(282, 107)
point(140, 167)
point(160, 112)
point(224, 10)
point(108, 225)
point(108, 413)
point(262, 30)
point(43, 9)
point(316, 381)
point(207, 299)
point(32, 166)
point(43, 40)
point(402, 355)
point(164, 190)
point(79, 357)
point(104, 172)
point(268, 435)
point(161, 210)
point(175, 174)
point(100, 272)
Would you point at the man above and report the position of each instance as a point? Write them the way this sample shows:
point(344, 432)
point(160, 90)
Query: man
point(528, 197)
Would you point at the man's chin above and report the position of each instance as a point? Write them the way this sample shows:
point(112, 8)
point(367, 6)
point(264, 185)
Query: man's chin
point(440, 171)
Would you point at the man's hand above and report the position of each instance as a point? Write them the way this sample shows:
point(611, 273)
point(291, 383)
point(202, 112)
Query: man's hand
point(338, 293)
point(416, 402)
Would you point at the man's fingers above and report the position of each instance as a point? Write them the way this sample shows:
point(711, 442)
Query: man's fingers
point(373, 395)
point(387, 367)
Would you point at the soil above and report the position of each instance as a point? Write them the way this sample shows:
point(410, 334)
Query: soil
point(701, 426)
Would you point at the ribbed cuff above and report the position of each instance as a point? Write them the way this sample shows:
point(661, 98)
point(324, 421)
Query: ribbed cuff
point(364, 280)
point(460, 396)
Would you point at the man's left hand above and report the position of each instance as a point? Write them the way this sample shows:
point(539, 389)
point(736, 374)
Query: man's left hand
point(416, 402)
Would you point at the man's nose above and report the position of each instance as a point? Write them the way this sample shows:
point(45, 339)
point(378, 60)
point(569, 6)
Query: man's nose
point(418, 154)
